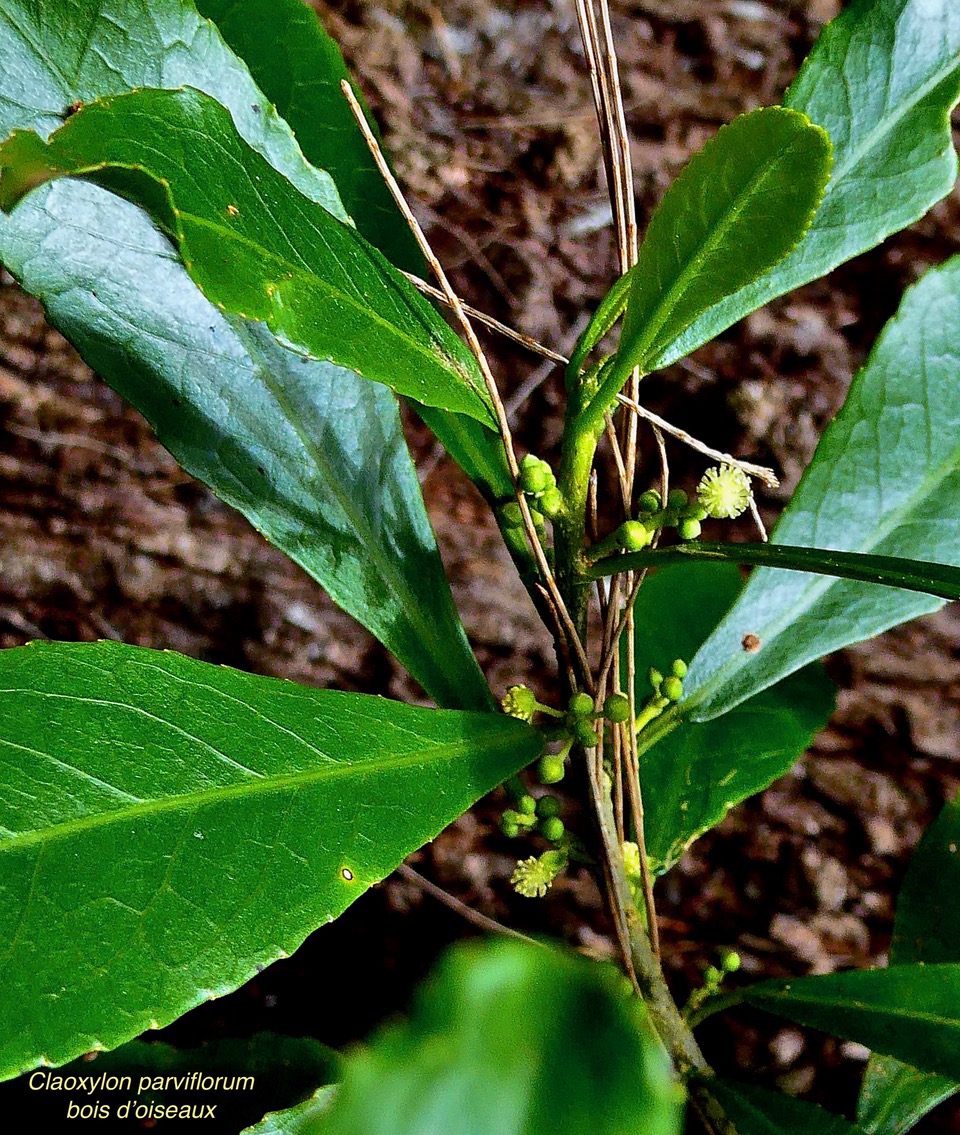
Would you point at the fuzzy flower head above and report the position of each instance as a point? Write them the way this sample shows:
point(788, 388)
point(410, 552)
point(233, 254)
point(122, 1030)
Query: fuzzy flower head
point(724, 492)
point(532, 877)
point(519, 702)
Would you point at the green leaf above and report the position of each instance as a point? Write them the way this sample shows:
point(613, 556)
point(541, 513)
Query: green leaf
point(254, 245)
point(882, 81)
point(941, 580)
point(737, 209)
point(303, 1119)
point(693, 775)
point(312, 455)
point(884, 481)
point(908, 1011)
point(172, 826)
point(757, 1111)
point(511, 1039)
point(895, 1096)
point(300, 68)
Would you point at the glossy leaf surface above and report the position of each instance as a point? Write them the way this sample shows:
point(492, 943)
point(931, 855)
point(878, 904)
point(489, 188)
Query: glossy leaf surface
point(908, 1011)
point(884, 481)
point(881, 80)
point(171, 826)
point(693, 775)
point(327, 479)
point(737, 208)
point(254, 244)
point(300, 68)
point(511, 1039)
point(754, 1110)
point(894, 1096)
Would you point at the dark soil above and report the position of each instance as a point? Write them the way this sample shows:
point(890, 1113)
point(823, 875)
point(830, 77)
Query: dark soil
point(487, 112)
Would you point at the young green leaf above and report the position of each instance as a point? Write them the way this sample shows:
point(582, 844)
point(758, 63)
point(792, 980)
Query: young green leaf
point(758, 1111)
point(883, 481)
point(882, 81)
point(737, 209)
point(255, 246)
point(693, 775)
point(511, 1039)
point(908, 1011)
point(926, 578)
point(315, 458)
point(172, 825)
point(300, 68)
point(895, 1096)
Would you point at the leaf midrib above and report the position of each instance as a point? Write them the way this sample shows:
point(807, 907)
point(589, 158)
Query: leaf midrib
point(254, 787)
point(718, 232)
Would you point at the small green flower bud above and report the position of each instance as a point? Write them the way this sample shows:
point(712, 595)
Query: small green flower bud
point(509, 823)
point(679, 668)
point(512, 516)
point(655, 677)
point(677, 498)
point(693, 512)
point(633, 536)
point(724, 492)
point(672, 688)
point(550, 768)
point(581, 705)
point(586, 734)
point(730, 962)
point(533, 477)
point(712, 976)
point(519, 702)
point(689, 529)
point(526, 806)
point(548, 806)
point(552, 828)
point(617, 708)
point(649, 501)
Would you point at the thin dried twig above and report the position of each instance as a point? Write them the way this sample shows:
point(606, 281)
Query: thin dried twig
point(761, 472)
point(500, 412)
point(481, 921)
point(758, 519)
point(488, 321)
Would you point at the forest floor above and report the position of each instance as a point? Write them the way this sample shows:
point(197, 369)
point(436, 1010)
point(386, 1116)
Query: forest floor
point(487, 112)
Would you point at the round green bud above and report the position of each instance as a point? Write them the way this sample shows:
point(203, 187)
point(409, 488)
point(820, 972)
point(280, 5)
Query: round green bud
point(677, 498)
point(510, 828)
point(712, 976)
point(550, 768)
point(552, 828)
point(533, 477)
point(581, 704)
point(509, 819)
point(526, 806)
point(512, 516)
point(672, 688)
point(731, 961)
point(654, 677)
point(550, 503)
point(617, 708)
point(633, 536)
point(548, 806)
point(679, 668)
point(649, 501)
point(689, 529)
point(586, 734)
point(693, 512)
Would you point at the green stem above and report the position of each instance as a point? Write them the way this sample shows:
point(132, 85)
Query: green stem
point(716, 1004)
